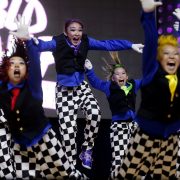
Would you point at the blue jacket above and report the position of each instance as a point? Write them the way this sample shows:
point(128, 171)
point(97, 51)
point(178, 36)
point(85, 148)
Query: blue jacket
point(76, 78)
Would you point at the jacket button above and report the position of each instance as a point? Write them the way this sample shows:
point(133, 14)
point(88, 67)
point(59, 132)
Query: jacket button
point(18, 119)
point(21, 129)
point(17, 111)
point(169, 115)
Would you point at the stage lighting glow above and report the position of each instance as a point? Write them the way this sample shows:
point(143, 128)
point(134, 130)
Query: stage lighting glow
point(165, 17)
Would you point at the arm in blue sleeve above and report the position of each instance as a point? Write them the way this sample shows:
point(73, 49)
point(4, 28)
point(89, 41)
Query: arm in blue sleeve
point(138, 83)
point(46, 45)
point(150, 63)
point(34, 70)
point(97, 83)
point(109, 45)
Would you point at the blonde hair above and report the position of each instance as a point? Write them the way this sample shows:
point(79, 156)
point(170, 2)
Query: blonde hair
point(166, 40)
point(109, 68)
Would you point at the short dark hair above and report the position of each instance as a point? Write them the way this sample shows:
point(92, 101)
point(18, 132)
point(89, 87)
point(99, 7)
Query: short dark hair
point(70, 21)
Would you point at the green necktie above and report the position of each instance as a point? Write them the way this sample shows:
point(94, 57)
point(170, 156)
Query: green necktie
point(126, 89)
point(172, 84)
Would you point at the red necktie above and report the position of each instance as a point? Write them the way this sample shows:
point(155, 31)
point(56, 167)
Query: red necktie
point(15, 93)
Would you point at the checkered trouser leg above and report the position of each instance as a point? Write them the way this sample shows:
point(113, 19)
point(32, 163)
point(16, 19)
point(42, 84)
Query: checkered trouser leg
point(120, 133)
point(146, 155)
point(7, 170)
point(68, 101)
point(46, 158)
point(178, 160)
point(26, 163)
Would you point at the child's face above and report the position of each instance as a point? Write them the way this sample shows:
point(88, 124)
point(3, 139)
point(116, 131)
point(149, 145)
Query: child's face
point(170, 59)
point(74, 32)
point(120, 76)
point(17, 70)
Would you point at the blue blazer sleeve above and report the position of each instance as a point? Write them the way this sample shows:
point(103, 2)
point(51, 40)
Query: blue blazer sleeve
point(109, 45)
point(150, 63)
point(34, 70)
point(98, 83)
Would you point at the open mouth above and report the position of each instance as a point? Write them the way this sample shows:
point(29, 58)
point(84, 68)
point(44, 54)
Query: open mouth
point(121, 82)
point(16, 72)
point(171, 65)
point(75, 40)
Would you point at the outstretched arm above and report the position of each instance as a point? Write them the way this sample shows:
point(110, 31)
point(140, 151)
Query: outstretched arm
point(94, 80)
point(34, 73)
point(150, 63)
point(114, 45)
point(22, 33)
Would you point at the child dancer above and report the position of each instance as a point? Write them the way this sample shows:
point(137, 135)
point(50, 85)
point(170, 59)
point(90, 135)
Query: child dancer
point(121, 95)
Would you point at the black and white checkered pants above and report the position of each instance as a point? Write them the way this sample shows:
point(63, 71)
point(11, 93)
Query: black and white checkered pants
point(46, 159)
point(68, 101)
point(147, 156)
point(178, 159)
point(6, 155)
point(7, 170)
point(120, 133)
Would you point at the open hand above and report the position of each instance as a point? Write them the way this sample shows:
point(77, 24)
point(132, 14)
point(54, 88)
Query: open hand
point(149, 5)
point(88, 64)
point(176, 12)
point(22, 31)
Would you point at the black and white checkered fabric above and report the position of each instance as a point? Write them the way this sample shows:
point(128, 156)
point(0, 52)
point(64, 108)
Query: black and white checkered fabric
point(68, 101)
point(147, 156)
point(7, 170)
point(120, 133)
point(46, 159)
point(178, 160)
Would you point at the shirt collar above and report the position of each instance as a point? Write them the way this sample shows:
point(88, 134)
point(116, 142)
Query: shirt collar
point(12, 86)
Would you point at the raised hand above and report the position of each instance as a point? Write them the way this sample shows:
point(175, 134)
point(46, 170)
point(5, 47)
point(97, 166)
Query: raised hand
point(22, 31)
point(149, 5)
point(176, 25)
point(138, 47)
point(176, 12)
point(88, 64)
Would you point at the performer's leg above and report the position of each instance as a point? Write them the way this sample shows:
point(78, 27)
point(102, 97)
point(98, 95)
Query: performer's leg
point(178, 159)
point(7, 169)
point(25, 163)
point(90, 108)
point(67, 114)
point(120, 134)
point(165, 164)
point(53, 160)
